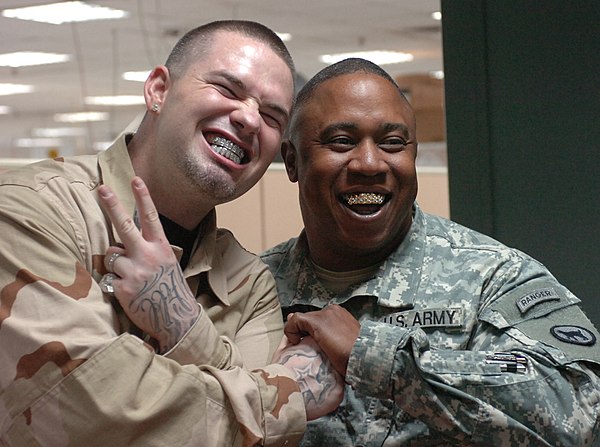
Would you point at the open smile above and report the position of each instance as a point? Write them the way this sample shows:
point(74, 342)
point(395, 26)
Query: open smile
point(364, 203)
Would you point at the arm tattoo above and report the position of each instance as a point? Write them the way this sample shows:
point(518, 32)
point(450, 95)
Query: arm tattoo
point(315, 375)
point(165, 305)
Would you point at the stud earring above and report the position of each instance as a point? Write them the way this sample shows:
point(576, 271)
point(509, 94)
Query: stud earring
point(155, 107)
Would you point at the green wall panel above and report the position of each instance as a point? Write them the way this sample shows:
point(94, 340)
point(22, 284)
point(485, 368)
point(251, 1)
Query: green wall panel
point(523, 126)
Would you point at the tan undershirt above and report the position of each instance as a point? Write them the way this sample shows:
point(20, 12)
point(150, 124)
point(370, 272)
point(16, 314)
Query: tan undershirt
point(337, 282)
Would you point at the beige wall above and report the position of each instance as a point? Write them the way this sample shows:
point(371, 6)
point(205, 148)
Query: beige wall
point(269, 212)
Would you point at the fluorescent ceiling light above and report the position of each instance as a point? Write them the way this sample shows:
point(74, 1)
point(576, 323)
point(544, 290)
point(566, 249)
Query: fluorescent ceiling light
point(13, 89)
point(38, 142)
point(377, 57)
point(80, 117)
point(138, 76)
point(64, 12)
point(120, 100)
point(437, 15)
point(54, 132)
point(5, 110)
point(29, 58)
point(437, 74)
point(286, 37)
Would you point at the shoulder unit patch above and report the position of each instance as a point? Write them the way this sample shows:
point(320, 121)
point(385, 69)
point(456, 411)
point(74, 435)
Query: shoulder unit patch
point(576, 335)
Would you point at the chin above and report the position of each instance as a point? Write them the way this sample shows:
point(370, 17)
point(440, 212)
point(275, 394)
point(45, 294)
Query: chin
point(361, 242)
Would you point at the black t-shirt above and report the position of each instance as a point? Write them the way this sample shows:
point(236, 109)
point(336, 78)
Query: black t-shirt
point(177, 235)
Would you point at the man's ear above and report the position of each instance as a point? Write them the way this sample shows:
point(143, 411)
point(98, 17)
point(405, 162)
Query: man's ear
point(290, 158)
point(156, 86)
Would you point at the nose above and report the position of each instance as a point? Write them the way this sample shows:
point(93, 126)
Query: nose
point(367, 159)
point(246, 117)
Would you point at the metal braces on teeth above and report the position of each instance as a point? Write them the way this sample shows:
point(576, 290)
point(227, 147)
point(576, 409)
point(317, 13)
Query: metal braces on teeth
point(365, 198)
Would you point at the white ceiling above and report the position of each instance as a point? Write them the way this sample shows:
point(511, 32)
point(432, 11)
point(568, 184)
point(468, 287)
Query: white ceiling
point(102, 50)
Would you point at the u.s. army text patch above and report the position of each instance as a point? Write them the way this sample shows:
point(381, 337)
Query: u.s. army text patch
point(442, 317)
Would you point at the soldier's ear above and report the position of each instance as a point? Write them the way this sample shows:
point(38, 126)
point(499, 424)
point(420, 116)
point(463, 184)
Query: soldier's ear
point(290, 158)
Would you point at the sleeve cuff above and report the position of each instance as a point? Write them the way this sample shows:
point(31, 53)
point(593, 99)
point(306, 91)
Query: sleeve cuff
point(372, 359)
point(283, 407)
point(202, 345)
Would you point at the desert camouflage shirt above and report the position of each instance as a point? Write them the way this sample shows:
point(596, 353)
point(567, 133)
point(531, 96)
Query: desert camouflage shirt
point(75, 372)
point(463, 341)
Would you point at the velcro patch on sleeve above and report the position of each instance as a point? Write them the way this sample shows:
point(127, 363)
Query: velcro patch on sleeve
point(535, 297)
point(567, 329)
point(532, 300)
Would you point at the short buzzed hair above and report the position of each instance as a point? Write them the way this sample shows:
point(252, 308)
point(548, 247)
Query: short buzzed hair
point(197, 41)
point(344, 67)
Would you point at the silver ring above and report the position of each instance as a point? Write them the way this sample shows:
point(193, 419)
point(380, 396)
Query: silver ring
point(111, 261)
point(106, 283)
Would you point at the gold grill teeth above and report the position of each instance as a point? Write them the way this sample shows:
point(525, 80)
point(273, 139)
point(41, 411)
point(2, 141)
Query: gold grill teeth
point(365, 198)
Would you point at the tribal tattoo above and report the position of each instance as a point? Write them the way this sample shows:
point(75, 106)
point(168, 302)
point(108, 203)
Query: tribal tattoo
point(167, 306)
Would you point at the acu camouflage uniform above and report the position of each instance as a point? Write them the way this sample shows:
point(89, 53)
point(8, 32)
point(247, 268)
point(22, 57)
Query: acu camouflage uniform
point(73, 369)
point(423, 370)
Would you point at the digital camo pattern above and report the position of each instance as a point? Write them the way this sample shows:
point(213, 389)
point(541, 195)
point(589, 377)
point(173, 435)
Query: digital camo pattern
point(420, 372)
point(74, 371)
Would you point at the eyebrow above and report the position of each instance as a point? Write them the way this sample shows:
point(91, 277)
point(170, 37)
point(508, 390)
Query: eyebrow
point(390, 127)
point(332, 128)
point(240, 84)
point(351, 126)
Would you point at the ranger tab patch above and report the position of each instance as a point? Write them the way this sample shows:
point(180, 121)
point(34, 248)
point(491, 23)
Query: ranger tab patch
point(536, 297)
point(443, 317)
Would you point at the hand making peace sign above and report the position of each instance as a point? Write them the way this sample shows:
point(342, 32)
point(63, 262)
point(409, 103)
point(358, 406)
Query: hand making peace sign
point(145, 276)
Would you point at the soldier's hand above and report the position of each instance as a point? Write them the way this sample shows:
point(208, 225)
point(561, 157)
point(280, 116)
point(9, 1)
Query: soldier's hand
point(333, 328)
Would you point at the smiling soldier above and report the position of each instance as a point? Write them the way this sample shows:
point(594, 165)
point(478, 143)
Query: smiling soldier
point(445, 336)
